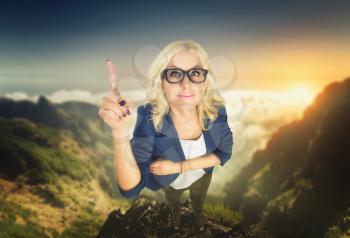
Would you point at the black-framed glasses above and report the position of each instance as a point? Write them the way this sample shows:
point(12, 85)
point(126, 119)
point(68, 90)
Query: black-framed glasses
point(176, 75)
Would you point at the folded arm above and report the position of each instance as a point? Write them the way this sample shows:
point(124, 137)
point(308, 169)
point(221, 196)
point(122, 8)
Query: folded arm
point(200, 162)
point(219, 156)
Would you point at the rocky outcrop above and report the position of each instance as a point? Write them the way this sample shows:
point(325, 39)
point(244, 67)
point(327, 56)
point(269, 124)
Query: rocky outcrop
point(149, 218)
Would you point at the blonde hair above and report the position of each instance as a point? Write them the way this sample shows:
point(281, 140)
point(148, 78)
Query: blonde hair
point(211, 98)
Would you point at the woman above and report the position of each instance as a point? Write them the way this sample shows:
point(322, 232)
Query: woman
point(180, 134)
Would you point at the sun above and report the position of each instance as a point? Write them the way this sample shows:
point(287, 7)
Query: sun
point(302, 93)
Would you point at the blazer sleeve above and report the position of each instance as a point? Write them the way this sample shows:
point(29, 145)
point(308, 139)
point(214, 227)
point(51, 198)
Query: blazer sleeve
point(142, 148)
point(224, 150)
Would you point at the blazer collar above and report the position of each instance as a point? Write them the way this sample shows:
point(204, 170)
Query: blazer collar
point(169, 129)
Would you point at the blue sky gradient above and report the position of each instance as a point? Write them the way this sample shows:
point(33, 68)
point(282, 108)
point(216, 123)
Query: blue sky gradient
point(47, 46)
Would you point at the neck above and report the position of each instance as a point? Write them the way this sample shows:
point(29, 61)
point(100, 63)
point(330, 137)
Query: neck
point(183, 113)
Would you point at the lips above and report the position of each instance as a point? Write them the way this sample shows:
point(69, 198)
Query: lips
point(186, 95)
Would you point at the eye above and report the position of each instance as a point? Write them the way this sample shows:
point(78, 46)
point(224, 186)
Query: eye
point(175, 74)
point(195, 73)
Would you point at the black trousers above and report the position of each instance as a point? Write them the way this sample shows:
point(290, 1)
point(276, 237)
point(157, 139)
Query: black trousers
point(198, 192)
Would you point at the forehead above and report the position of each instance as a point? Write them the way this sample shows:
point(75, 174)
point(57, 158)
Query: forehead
point(185, 60)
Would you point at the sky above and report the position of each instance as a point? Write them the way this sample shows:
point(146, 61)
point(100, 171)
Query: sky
point(257, 45)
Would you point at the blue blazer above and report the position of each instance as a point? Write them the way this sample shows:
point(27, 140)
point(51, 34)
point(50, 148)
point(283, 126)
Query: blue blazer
point(148, 145)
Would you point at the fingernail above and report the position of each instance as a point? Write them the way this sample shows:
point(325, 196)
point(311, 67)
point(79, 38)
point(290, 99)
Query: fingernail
point(127, 111)
point(122, 103)
point(124, 115)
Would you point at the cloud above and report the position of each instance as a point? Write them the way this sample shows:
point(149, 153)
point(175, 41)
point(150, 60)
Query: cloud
point(61, 96)
point(18, 95)
point(260, 112)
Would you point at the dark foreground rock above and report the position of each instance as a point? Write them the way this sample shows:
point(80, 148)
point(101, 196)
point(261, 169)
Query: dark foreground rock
point(149, 218)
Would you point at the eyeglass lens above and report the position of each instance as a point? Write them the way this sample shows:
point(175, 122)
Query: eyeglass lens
point(175, 75)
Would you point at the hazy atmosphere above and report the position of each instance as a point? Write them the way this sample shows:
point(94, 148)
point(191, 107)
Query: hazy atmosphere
point(282, 67)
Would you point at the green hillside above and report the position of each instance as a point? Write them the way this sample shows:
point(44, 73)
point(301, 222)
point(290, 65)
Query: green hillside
point(53, 184)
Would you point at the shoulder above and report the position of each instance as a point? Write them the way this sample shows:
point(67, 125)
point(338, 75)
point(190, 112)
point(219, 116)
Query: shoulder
point(221, 116)
point(222, 110)
point(144, 109)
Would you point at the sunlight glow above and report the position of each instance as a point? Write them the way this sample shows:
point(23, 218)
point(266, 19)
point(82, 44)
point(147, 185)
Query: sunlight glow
point(303, 94)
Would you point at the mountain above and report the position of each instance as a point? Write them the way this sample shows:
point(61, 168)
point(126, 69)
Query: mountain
point(298, 186)
point(57, 178)
point(80, 120)
point(56, 170)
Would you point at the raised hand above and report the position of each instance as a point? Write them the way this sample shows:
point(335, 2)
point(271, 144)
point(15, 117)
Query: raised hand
point(116, 110)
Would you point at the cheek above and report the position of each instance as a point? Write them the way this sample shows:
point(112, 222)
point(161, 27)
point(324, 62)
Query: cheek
point(199, 93)
point(170, 92)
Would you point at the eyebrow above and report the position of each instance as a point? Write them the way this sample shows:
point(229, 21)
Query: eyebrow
point(174, 67)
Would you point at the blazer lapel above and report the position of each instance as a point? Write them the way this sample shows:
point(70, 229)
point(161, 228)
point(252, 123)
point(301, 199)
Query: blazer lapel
point(211, 136)
point(175, 149)
point(168, 127)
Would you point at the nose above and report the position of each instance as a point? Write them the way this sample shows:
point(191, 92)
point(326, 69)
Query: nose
point(186, 81)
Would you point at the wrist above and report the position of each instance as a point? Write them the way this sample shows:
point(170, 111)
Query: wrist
point(119, 135)
point(180, 167)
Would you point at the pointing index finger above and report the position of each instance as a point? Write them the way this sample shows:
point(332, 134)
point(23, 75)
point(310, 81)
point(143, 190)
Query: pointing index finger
point(112, 78)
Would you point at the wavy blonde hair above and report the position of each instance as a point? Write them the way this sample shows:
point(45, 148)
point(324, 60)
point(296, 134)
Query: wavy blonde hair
point(211, 98)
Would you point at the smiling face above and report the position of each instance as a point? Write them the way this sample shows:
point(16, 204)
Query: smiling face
point(184, 93)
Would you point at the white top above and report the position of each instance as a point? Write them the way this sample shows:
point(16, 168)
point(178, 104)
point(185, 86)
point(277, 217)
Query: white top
point(191, 149)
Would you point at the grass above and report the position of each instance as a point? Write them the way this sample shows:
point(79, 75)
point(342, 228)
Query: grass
point(221, 214)
point(34, 151)
point(15, 222)
point(87, 225)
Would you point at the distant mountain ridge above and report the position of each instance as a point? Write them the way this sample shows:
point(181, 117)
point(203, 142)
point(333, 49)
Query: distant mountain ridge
point(77, 118)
